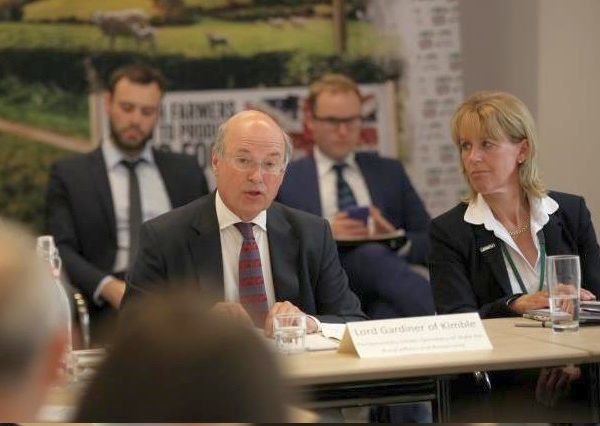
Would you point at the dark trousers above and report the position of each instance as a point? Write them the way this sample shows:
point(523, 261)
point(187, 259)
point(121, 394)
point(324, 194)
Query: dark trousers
point(513, 399)
point(103, 319)
point(385, 283)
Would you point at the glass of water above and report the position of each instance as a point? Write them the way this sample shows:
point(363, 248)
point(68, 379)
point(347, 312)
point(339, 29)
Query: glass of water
point(290, 332)
point(563, 275)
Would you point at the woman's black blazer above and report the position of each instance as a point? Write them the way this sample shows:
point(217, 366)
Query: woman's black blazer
point(467, 269)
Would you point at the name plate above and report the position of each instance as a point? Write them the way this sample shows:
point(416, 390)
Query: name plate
point(415, 335)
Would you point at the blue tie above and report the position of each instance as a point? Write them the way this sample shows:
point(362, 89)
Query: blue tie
point(345, 196)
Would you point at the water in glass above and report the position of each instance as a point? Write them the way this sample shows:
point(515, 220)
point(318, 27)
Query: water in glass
point(290, 332)
point(564, 283)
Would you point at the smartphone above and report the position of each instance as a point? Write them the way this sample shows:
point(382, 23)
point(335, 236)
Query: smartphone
point(359, 213)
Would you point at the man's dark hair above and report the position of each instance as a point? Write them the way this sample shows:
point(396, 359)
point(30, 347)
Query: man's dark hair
point(137, 73)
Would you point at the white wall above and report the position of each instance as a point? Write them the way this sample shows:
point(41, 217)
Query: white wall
point(545, 52)
point(500, 47)
point(569, 98)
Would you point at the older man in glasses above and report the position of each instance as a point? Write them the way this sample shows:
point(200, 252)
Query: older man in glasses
point(336, 179)
point(258, 257)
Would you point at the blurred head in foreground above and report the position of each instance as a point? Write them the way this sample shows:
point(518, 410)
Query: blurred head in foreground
point(33, 333)
point(174, 360)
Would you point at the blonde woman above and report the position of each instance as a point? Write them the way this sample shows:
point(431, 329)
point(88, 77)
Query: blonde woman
point(488, 253)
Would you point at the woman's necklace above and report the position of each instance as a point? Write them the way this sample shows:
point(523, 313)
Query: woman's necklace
point(520, 229)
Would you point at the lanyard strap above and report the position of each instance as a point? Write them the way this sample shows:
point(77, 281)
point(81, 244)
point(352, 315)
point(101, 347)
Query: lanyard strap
point(542, 241)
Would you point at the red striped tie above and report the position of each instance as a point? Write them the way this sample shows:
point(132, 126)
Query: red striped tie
point(253, 295)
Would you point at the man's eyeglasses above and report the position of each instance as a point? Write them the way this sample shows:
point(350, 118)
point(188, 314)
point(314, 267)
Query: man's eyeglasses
point(335, 122)
point(246, 164)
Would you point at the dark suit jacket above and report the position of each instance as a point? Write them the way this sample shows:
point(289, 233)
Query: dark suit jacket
point(80, 212)
point(465, 280)
point(184, 246)
point(389, 188)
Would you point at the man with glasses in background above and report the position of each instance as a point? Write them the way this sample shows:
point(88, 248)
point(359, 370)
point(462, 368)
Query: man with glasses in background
point(257, 258)
point(336, 179)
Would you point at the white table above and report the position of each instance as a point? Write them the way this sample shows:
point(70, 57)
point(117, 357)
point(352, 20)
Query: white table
point(331, 379)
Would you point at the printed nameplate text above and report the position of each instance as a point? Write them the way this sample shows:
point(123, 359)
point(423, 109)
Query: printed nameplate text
point(416, 335)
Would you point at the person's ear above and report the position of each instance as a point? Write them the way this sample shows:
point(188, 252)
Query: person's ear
point(524, 150)
point(107, 102)
point(215, 160)
point(310, 122)
point(52, 358)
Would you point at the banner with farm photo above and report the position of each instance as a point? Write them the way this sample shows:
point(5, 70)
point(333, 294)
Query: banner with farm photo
point(218, 57)
point(54, 53)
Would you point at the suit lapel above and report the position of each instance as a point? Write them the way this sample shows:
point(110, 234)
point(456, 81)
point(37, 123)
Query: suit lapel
point(312, 198)
point(171, 184)
point(558, 239)
point(102, 186)
point(205, 247)
point(283, 250)
point(488, 247)
point(372, 179)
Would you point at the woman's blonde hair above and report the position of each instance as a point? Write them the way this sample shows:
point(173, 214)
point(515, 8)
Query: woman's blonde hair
point(494, 115)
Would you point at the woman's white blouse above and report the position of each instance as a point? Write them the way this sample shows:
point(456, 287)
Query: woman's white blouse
point(479, 213)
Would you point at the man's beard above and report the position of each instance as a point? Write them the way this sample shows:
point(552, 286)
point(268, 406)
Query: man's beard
point(129, 146)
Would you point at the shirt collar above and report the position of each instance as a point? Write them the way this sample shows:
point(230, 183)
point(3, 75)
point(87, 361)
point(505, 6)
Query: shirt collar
point(325, 164)
point(113, 155)
point(479, 213)
point(227, 218)
point(541, 209)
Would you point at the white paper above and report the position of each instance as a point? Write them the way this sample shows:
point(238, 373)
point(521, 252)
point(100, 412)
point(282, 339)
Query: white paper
point(334, 331)
point(56, 413)
point(318, 342)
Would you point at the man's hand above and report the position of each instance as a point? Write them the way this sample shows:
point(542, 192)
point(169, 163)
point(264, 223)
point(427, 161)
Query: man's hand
point(527, 302)
point(113, 292)
point(380, 223)
point(287, 308)
point(343, 226)
point(555, 383)
point(233, 311)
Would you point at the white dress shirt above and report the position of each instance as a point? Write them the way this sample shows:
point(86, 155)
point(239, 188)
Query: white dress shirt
point(231, 244)
point(153, 194)
point(328, 182)
point(479, 213)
